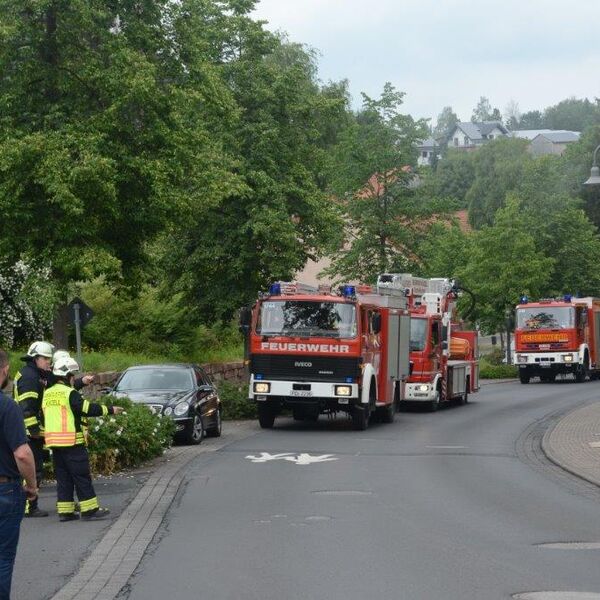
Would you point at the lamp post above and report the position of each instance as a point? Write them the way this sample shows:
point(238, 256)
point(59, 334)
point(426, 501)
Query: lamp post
point(595, 172)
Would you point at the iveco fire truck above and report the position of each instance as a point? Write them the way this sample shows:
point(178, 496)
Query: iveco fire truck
point(557, 336)
point(316, 351)
point(443, 356)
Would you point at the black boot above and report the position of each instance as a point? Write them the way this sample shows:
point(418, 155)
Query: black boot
point(68, 517)
point(36, 512)
point(95, 515)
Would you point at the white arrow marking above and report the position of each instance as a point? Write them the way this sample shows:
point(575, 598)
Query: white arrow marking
point(301, 459)
point(265, 457)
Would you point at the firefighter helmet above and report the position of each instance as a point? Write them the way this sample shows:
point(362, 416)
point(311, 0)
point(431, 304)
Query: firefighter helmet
point(40, 349)
point(65, 366)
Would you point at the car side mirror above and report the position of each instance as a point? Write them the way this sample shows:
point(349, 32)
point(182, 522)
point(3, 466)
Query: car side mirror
point(245, 317)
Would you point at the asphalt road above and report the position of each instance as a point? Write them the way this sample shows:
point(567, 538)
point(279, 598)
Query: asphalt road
point(443, 506)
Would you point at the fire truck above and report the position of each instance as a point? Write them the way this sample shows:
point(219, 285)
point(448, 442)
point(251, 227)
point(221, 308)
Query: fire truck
point(315, 351)
point(443, 356)
point(557, 336)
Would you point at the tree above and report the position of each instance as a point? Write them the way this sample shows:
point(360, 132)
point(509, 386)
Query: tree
point(454, 176)
point(498, 170)
point(484, 111)
point(445, 123)
point(572, 114)
point(225, 252)
point(373, 174)
point(512, 115)
point(112, 124)
point(532, 119)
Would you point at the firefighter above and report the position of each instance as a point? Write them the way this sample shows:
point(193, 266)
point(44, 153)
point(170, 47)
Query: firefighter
point(28, 390)
point(63, 409)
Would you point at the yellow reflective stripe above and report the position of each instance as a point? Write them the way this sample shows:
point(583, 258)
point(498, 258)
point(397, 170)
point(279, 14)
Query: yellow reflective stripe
point(86, 406)
point(79, 439)
point(86, 505)
point(104, 410)
point(26, 395)
point(31, 421)
point(65, 507)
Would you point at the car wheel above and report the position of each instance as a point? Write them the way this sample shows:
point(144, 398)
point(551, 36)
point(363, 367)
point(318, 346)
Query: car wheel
point(194, 433)
point(216, 430)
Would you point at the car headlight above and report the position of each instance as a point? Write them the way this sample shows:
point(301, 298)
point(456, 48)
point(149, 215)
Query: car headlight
point(262, 388)
point(181, 409)
point(423, 388)
point(343, 390)
point(168, 411)
point(567, 357)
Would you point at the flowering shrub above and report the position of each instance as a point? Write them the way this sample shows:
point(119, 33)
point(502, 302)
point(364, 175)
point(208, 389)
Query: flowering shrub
point(127, 440)
point(27, 301)
point(234, 397)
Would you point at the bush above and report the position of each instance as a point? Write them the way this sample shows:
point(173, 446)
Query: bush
point(127, 440)
point(488, 370)
point(234, 397)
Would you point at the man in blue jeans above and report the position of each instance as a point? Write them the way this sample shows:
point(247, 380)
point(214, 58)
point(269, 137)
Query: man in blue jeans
point(16, 464)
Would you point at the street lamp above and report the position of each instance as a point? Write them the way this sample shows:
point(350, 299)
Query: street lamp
point(595, 172)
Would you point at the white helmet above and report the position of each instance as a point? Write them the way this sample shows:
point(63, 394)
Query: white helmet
point(60, 354)
point(40, 349)
point(65, 366)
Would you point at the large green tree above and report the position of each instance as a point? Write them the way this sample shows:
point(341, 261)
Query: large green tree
point(111, 123)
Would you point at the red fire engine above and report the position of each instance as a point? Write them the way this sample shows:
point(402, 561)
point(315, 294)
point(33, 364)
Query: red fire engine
point(444, 358)
point(314, 352)
point(557, 336)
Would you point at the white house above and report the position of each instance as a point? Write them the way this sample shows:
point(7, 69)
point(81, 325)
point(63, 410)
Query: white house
point(427, 149)
point(468, 136)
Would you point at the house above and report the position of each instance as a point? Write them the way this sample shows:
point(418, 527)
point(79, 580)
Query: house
point(553, 142)
point(427, 149)
point(528, 134)
point(469, 136)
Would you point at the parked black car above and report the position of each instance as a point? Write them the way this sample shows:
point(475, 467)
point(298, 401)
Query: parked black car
point(183, 392)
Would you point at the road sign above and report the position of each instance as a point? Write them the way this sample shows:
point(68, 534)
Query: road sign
point(85, 312)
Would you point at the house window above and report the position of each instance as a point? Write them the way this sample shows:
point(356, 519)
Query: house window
point(466, 141)
point(456, 141)
point(491, 137)
point(424, 154)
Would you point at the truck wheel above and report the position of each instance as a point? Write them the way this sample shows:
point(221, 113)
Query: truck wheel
point(435, 403)
point(388, 413)
point(464, 399)
point(581, 373)
point(360, 418)
point(524, 377)
point(266, 415)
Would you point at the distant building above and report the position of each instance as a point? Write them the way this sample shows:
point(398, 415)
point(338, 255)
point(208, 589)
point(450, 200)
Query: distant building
point(528, 134)
point(427, 150)
point(469, 136)
point(553, 142)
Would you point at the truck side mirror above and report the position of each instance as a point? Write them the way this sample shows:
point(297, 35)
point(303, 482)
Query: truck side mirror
point(245, 317)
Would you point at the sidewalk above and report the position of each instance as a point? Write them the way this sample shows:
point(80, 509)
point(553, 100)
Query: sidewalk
point(574, 443)
point(85, 561)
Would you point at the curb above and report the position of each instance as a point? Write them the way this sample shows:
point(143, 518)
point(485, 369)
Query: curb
point(483, 382)
point(567, 443)
point(112, 562)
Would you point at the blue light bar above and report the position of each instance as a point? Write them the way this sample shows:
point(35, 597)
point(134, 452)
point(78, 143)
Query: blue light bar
point(275, 289)
point(524, 299)
point(348, 291)
point(349, 380)
point(568, 297)
point(258, 377)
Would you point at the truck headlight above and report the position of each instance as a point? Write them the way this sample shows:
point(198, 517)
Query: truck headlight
point(423, 388)
point(181, 409)
point(567, 358)
point(521, 358)
point(343, 390)
point(262, 388)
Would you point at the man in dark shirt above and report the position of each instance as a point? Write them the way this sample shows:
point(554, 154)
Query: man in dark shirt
point(16, 464)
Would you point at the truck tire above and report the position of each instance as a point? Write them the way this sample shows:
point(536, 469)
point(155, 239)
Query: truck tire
point(581, 373)
point(388, 413)
point(435, 403)
point(360, 418)
point(464, 399)
point(524, 377)
point(266, 415)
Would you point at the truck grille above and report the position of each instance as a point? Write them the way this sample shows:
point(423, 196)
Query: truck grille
point(305, 368)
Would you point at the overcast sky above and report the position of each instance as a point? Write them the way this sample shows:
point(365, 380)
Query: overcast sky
point(451, 52)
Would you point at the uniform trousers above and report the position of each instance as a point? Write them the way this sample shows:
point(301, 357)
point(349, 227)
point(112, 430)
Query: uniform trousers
point(72, 470)
point(37, 449)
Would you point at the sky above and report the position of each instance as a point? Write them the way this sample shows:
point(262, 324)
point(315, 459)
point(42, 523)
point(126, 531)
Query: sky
point(451, 52)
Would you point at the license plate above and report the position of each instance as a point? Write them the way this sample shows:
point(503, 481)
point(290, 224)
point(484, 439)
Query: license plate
point(343, 400)
point(301, 393)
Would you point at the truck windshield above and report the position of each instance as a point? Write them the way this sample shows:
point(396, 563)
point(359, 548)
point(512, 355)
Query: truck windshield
point(293, 317)
point(562, 317)
point(418, 334)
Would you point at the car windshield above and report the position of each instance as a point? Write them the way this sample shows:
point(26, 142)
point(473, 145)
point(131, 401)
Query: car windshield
point(418, 334)
point(293, 317)
point(545, 318)
point(155, 379)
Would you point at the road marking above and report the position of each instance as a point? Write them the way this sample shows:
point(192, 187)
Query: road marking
point(557, 596)
point(571, 546)
point(594, 444)
point(447, 447)
point(342, 493)
point(301, 459)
